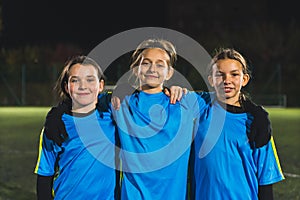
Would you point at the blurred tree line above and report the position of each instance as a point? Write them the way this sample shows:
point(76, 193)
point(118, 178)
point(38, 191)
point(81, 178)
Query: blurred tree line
point(266, 32)
point(268, 39)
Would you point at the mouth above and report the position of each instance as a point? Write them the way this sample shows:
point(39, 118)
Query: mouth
point(227, 89)
point(150, 76)
point(83, 94)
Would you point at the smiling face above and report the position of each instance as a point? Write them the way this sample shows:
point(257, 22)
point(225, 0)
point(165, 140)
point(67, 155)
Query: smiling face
point(228, 78)
point(83, 86)
point(153, 70)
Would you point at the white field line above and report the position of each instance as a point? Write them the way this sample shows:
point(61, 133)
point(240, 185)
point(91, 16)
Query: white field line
point(291, 175)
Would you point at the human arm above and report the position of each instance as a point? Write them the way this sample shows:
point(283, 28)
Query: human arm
point(54, 128)
point(260, 130)
point(44, 187)
point(268, 168)
point(175, 93)
point(104, 100)
point(45, 167)
point(119, 93)
point(265, 192)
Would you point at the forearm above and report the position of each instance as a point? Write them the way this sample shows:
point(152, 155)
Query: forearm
point(265, 192)
point(44, 187)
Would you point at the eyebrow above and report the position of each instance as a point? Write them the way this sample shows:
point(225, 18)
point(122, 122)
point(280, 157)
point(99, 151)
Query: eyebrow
point(88, 76)
point(159, 60)
point(236, 70)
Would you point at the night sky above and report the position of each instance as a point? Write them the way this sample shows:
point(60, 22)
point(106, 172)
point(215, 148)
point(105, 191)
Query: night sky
point(83, 22)
point(212, 23)
point(89, 22)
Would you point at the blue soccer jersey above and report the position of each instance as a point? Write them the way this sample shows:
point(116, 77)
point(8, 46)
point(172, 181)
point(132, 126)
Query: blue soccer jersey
point(155, 138)
point(84, 166)
point(225, 166)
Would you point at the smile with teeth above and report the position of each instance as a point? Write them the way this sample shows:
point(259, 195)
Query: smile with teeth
point(227, 89)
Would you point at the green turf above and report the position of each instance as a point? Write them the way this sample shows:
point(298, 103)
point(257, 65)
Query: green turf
point(21, 126)
point(286, 131)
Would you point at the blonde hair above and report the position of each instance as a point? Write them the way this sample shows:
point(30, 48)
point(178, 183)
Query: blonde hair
point(163, 44)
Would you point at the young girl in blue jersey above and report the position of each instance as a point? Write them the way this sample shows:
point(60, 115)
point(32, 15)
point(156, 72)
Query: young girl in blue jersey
point(226, 165)
point(155, 135)
point(82, 166)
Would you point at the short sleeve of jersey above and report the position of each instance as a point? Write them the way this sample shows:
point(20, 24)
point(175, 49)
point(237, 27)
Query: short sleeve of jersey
point(46, 156)
point(195, 101)
point(268, 168)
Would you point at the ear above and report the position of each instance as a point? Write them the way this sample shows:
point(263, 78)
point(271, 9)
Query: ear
point(170, 73)
point(210, 80)
point(246, 79)
point(66, 88)
point(101, 85)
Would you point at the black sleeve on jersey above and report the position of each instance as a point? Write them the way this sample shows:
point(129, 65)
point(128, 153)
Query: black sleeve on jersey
point(260, 130)
point(206, 96)
point(44, 187)
point(54, 128)
point(265, 192)
point(103, 104)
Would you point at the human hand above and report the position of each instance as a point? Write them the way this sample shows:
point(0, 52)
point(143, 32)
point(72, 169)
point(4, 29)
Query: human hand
point(115, 102)
point(175, 93)
point(120, 92)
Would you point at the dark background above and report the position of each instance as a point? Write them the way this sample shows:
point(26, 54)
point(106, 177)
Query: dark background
point(36, 37)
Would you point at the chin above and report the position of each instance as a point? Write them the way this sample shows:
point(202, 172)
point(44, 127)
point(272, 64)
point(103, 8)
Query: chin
point(152, 85)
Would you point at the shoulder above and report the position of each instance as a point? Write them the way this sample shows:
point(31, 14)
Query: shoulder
point(203, 98)
point(207, 97)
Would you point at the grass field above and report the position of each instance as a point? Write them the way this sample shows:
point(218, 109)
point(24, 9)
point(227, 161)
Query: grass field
point(20, 129)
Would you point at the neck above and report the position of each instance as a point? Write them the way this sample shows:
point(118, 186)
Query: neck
point(76, 114)
point(84, 109)
point(229, 101)
point(151, 90)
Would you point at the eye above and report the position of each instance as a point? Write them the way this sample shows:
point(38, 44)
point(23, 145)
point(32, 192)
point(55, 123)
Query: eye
point(218, 74)
point(90, 79)
point(73, 80)
point(159, 65)
point(146, 64)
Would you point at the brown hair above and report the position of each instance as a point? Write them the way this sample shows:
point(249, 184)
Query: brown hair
point(64, 76)
point(228, 53)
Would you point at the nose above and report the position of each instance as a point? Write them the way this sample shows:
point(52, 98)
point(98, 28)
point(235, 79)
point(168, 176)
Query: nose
point(82, 85)
point(152, 67)
point(226, 79)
